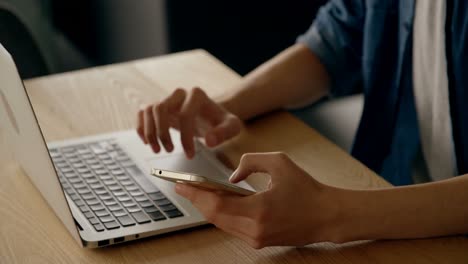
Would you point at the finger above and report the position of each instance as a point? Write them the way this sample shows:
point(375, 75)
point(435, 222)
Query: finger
point(176, 100)
point(230, 127)
point(215, 203)
point(259, 162)
point(150, 129)
point(161, 118)
point(141, 126)
point(188, 112)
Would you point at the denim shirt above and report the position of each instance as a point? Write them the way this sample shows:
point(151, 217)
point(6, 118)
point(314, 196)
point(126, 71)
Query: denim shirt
point(367, 46)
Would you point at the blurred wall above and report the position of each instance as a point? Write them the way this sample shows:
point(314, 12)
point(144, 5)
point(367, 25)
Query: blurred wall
point(241, 33)
point(111, 31)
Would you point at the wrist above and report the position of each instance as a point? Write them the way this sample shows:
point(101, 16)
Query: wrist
point(236, 102)
point(344, 223)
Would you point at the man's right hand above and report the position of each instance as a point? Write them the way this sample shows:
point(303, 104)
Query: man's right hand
point(194, 114)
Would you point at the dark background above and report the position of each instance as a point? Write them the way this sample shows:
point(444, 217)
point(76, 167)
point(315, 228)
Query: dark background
point(242, 34)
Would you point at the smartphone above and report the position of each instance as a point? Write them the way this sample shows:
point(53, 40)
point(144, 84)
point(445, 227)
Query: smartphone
point(199, 181)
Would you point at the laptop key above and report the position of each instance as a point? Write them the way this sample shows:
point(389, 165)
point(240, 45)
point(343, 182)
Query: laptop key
point(109, 162)
point(122, 177)
point(117, 172)
point(74, 197)
point(109, 202)
point(97, 207)
point(79, 203)
point(174, 213)
point(104, 157)
point(120, 212)
point(96, 185)
point(146, 203)
point(136, 193)
point(92, 181)
point(70, 174)
point(79, 185)
point(156, 196)
point(119, 193)
point(124, 198)
point(157, 216)
point(73, 160)
point(66, 169)
point(114, 207)
point(131, 187)
point(114, 188)
point(93, 201)
point(110, 182)
point(162, 202)
point(79, 165)
point(68, 149)
point(168, 207)
point(128, 203)
point(126, 220)
point(99, 227)
point(97, 167)
point(125, 182)
point(150, 209)
point(92, 161)
point(112, 225)
point(113, 167)
point(141, 217)
point(100, 191)
point(105, 196)
point(84, 208)
point(87, 175)
point(93, 220)
point(83, 170)
point(88, 215)
point(102, 172)
point(140, 198)
point(133, 209)
point(88, 196)
point(101, 213)
point(106, 218)
point(83, 190)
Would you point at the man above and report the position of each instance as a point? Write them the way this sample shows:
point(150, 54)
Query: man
point(409, 59)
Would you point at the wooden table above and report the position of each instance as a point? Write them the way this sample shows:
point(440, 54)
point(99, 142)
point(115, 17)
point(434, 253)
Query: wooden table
point(106, 99)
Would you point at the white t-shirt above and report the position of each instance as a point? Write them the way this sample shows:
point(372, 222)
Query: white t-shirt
point(431, 93)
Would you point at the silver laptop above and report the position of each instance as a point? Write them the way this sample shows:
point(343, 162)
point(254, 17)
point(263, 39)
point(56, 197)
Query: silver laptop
point(100, 186)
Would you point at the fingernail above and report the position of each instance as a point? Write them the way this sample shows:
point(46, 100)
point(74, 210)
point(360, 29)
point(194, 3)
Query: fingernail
point(211, 139)
point(233, 176)
point(169, 147)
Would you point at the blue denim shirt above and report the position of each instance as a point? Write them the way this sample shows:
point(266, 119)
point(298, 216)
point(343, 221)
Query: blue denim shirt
point(367, 46)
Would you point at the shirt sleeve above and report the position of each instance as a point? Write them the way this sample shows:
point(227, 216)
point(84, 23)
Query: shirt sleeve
point(336, 38)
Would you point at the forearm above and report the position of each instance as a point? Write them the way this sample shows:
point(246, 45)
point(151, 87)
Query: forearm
point(293, 76)
point(417, 211)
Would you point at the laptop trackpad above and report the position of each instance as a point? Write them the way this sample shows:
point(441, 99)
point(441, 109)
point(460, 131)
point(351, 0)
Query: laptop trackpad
point(178, 162)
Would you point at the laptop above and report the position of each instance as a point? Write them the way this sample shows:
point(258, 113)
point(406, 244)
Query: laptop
point(99, 186)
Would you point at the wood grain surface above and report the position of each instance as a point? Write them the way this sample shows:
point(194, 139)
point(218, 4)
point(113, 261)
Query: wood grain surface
point(106, 99)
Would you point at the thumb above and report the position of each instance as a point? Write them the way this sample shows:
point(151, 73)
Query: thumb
point(228, 128)
point(255, 162)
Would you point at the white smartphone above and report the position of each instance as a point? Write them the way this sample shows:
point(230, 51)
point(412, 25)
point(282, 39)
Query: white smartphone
point(199, 181)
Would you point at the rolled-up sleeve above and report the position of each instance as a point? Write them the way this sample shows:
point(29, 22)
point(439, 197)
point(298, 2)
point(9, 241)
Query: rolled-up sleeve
point(336, 38)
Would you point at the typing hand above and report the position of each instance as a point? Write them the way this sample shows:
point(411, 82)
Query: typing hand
point(194, 114)
point(295, 210)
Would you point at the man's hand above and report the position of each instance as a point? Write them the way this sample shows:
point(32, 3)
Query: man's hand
point(295, 210)
point(193, 114)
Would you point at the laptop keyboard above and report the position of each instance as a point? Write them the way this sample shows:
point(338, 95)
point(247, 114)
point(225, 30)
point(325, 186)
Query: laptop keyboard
point(108, 187)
